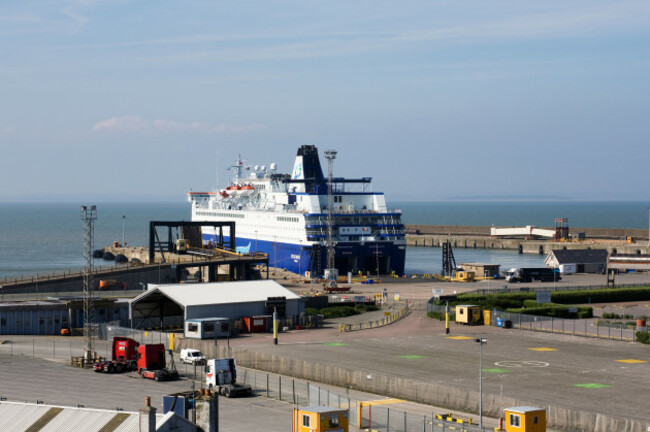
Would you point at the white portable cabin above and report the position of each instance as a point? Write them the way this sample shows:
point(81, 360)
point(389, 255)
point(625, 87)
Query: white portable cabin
point(207, 328)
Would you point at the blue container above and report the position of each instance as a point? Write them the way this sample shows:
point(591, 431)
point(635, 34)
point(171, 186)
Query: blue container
point(499, 322)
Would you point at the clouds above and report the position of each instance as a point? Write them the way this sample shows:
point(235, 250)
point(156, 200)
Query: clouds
point(141, 125)
point(7, 130)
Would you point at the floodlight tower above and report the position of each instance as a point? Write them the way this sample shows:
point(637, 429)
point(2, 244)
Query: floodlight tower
point(330, 155)
point(88, 215)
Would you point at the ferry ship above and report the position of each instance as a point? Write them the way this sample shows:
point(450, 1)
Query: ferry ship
point(286, 216)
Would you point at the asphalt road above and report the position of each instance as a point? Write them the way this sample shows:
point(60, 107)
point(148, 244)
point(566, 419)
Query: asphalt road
point(541, 369)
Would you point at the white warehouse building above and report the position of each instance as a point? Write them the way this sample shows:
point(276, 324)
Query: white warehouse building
point(170, 305)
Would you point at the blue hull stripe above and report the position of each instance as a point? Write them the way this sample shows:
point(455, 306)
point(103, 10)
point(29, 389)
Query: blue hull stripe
point(297, 259)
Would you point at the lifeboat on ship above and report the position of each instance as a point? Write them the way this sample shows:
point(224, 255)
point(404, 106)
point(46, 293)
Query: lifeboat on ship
point(246, 190)
point(232, 190)
point(223, 193)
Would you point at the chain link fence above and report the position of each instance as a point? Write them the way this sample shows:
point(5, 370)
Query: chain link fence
point(364, 415)
point(576, 327)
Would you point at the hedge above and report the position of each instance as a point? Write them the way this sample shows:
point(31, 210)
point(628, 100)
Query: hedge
point(503, 301)
point(557, 311)
point(643, 337)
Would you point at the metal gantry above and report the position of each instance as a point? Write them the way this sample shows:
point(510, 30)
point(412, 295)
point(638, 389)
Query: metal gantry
point(330, 155)
point(88, 215)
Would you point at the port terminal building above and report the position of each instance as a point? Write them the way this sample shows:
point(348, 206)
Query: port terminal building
point(171, 305)
point(577, 260)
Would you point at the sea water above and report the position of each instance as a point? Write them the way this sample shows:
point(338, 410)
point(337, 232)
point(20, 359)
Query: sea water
point(47, 237)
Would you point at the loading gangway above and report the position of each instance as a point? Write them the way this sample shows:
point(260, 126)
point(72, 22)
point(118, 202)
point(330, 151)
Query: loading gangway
point(528, 231)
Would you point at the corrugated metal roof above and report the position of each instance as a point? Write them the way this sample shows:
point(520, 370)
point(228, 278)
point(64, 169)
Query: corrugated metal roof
point(19, 416)
point(220, 292)
point(580, 256)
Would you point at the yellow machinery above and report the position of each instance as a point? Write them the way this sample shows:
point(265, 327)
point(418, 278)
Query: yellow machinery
point(464, 276)
point(468, 314)
point(320, 419)
point(525, 419)
point(181, 246)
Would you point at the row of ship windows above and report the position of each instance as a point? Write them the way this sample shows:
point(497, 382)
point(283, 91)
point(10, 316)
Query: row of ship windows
point(224, 215)
point(287, 219)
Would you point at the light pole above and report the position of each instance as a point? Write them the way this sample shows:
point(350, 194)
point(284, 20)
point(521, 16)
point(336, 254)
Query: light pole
point(481, 342)
point(123, 219)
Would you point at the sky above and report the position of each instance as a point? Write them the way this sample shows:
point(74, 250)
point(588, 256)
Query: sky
point(436, 100)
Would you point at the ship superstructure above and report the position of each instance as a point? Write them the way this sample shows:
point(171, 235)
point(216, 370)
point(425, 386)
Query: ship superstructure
point(286, 216)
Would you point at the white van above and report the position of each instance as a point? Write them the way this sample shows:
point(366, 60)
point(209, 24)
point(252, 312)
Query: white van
point(192, 356)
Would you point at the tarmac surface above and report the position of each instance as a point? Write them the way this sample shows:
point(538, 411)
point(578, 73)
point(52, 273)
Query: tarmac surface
point(583, 374)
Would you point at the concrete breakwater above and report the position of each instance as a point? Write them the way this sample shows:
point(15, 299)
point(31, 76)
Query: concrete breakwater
point(478, 237)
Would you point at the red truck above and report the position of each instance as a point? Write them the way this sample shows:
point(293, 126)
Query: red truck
point(124, 355)
point(152, 363)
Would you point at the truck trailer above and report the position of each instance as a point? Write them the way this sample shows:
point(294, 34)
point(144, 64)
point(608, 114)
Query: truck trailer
point(531, 274)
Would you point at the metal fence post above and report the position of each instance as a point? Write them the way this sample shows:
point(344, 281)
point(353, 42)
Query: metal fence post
point(280, 387)
point(53, 348)
point(267, 386)
point(387, 419)
point(405, 421)
point(293, 385)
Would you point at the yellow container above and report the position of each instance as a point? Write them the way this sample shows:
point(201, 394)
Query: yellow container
point(525, 419)
point(486, 317)
point(320, 419)
point(468, 314)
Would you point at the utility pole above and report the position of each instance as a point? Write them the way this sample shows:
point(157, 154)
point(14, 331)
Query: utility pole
point(123, 219)
point(480, 382)
point(88, 215)
point(330, 155)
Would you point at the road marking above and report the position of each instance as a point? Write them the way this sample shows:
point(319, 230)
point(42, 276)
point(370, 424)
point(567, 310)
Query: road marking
point(381, 402)
point(521, 364)
point(497, 370)
point(543, 349)
point(631, 361)
point(458, 337)
point(336, 344)
point(592, 385)
point(412, 356)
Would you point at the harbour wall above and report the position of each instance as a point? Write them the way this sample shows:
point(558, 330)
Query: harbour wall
point(73, 281)
point(476, 237)
point(483, 230)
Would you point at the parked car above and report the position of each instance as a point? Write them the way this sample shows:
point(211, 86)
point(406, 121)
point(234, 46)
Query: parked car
point(192, 356)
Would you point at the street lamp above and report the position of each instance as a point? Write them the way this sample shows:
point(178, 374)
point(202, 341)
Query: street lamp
point(481, 342)
point(123, 218)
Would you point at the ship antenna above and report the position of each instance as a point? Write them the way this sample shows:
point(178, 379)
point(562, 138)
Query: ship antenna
point(238, 166)
point(330, 155)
